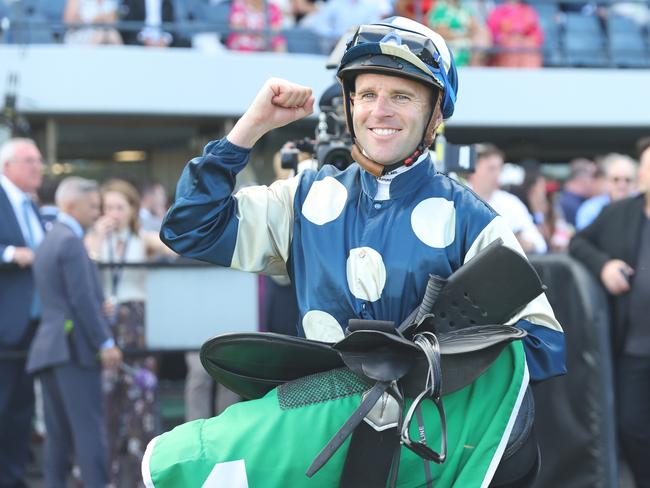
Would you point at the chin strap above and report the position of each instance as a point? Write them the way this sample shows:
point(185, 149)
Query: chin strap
point(372, 167)
point(376, 169)
point(406, 162)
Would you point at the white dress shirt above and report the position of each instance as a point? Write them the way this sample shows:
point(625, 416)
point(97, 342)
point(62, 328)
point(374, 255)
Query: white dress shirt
point(511, 208)
point(16, 197)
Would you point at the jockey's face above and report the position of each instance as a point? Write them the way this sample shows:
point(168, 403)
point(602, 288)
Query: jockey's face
point(389, 115)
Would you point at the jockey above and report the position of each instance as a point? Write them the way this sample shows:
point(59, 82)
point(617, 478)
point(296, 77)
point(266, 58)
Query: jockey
point(358, 243)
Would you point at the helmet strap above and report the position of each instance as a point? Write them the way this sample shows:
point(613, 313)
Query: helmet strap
point(372, 167)
point(407, 161)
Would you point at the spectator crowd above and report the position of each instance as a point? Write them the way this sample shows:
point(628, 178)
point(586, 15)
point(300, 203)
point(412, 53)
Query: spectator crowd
point(59, 316)
point(510, 33)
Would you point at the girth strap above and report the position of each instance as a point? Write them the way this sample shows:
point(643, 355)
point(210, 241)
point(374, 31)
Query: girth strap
point(348, 427)
point(370, 457)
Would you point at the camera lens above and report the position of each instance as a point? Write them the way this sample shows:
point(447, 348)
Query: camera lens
point(289, 158)
point(339, 157)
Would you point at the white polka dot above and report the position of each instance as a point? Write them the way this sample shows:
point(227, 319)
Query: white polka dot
point(434, 222)
point(366, 273)
point(321, 326)
point(325, 201)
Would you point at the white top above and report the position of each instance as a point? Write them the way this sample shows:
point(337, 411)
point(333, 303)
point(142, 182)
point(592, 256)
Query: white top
point(90, 9)
point(515, 213)
point(334, 17)
point(131, 282)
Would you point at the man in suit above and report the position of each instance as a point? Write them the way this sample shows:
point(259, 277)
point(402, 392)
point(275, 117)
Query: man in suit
point(152, 14)
point(21, 231)
point(73, 341)
point(616, 249)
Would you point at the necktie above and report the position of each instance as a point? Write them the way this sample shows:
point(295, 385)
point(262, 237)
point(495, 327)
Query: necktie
point(27, 212)
point(35, 309)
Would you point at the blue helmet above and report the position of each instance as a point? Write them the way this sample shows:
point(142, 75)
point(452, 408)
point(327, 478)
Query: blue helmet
point(401, 47)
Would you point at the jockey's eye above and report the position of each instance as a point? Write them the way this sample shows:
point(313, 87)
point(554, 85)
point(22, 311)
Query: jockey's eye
point(364, 96)
point(401, 98)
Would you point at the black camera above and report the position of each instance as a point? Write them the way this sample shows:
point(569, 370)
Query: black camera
point(454, 158)
point(332, 144)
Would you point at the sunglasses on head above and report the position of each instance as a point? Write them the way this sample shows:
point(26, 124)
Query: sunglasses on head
point(418, 44)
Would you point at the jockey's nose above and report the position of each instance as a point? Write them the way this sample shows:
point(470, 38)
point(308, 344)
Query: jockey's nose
point(383, 106)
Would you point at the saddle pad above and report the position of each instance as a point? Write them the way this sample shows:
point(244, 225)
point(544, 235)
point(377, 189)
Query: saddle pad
point(270, 442)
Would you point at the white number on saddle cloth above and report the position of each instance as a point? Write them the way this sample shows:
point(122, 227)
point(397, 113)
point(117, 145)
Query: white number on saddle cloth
point(227, 475)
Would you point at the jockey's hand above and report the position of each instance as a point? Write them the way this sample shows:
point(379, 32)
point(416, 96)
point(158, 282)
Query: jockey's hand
point(277, 104)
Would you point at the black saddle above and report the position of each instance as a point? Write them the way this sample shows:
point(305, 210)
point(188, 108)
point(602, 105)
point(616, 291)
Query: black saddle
point(444, 345)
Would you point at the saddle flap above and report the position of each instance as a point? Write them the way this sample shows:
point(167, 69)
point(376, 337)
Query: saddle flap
point(364, 324)
point(377, 355)
point(491, 288)
point(252, 364)
point(476, 338)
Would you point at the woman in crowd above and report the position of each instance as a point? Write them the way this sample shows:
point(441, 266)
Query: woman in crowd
point(414, 9)
point(517, 32)
point(91, 12)
point(533, 192)
point(458, 24)
point(131, 403)
point(255, 15)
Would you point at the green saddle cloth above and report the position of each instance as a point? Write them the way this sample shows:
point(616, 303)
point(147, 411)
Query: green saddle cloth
point(270, 442)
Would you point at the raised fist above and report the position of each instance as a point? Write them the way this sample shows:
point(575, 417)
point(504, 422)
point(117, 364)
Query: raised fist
point(278, 103)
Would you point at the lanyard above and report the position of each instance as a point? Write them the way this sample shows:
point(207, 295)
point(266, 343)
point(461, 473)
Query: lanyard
point(116, 267)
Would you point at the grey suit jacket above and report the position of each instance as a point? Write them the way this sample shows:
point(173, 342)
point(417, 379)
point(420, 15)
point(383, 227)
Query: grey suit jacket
point(71, 298)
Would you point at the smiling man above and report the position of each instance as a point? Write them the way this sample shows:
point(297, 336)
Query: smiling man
point(358, 243)
point(389, 115)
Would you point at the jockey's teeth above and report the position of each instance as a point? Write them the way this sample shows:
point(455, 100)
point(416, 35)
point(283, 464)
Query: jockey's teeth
point(385, 132)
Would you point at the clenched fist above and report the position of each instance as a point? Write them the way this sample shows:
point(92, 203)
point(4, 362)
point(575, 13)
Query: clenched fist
point(278, 103)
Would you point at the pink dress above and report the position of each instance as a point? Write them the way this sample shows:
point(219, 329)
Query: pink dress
point(244, 16)
point(516, 26)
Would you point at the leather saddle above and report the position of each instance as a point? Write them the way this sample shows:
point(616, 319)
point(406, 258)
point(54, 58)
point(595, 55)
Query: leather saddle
point(445, 344)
